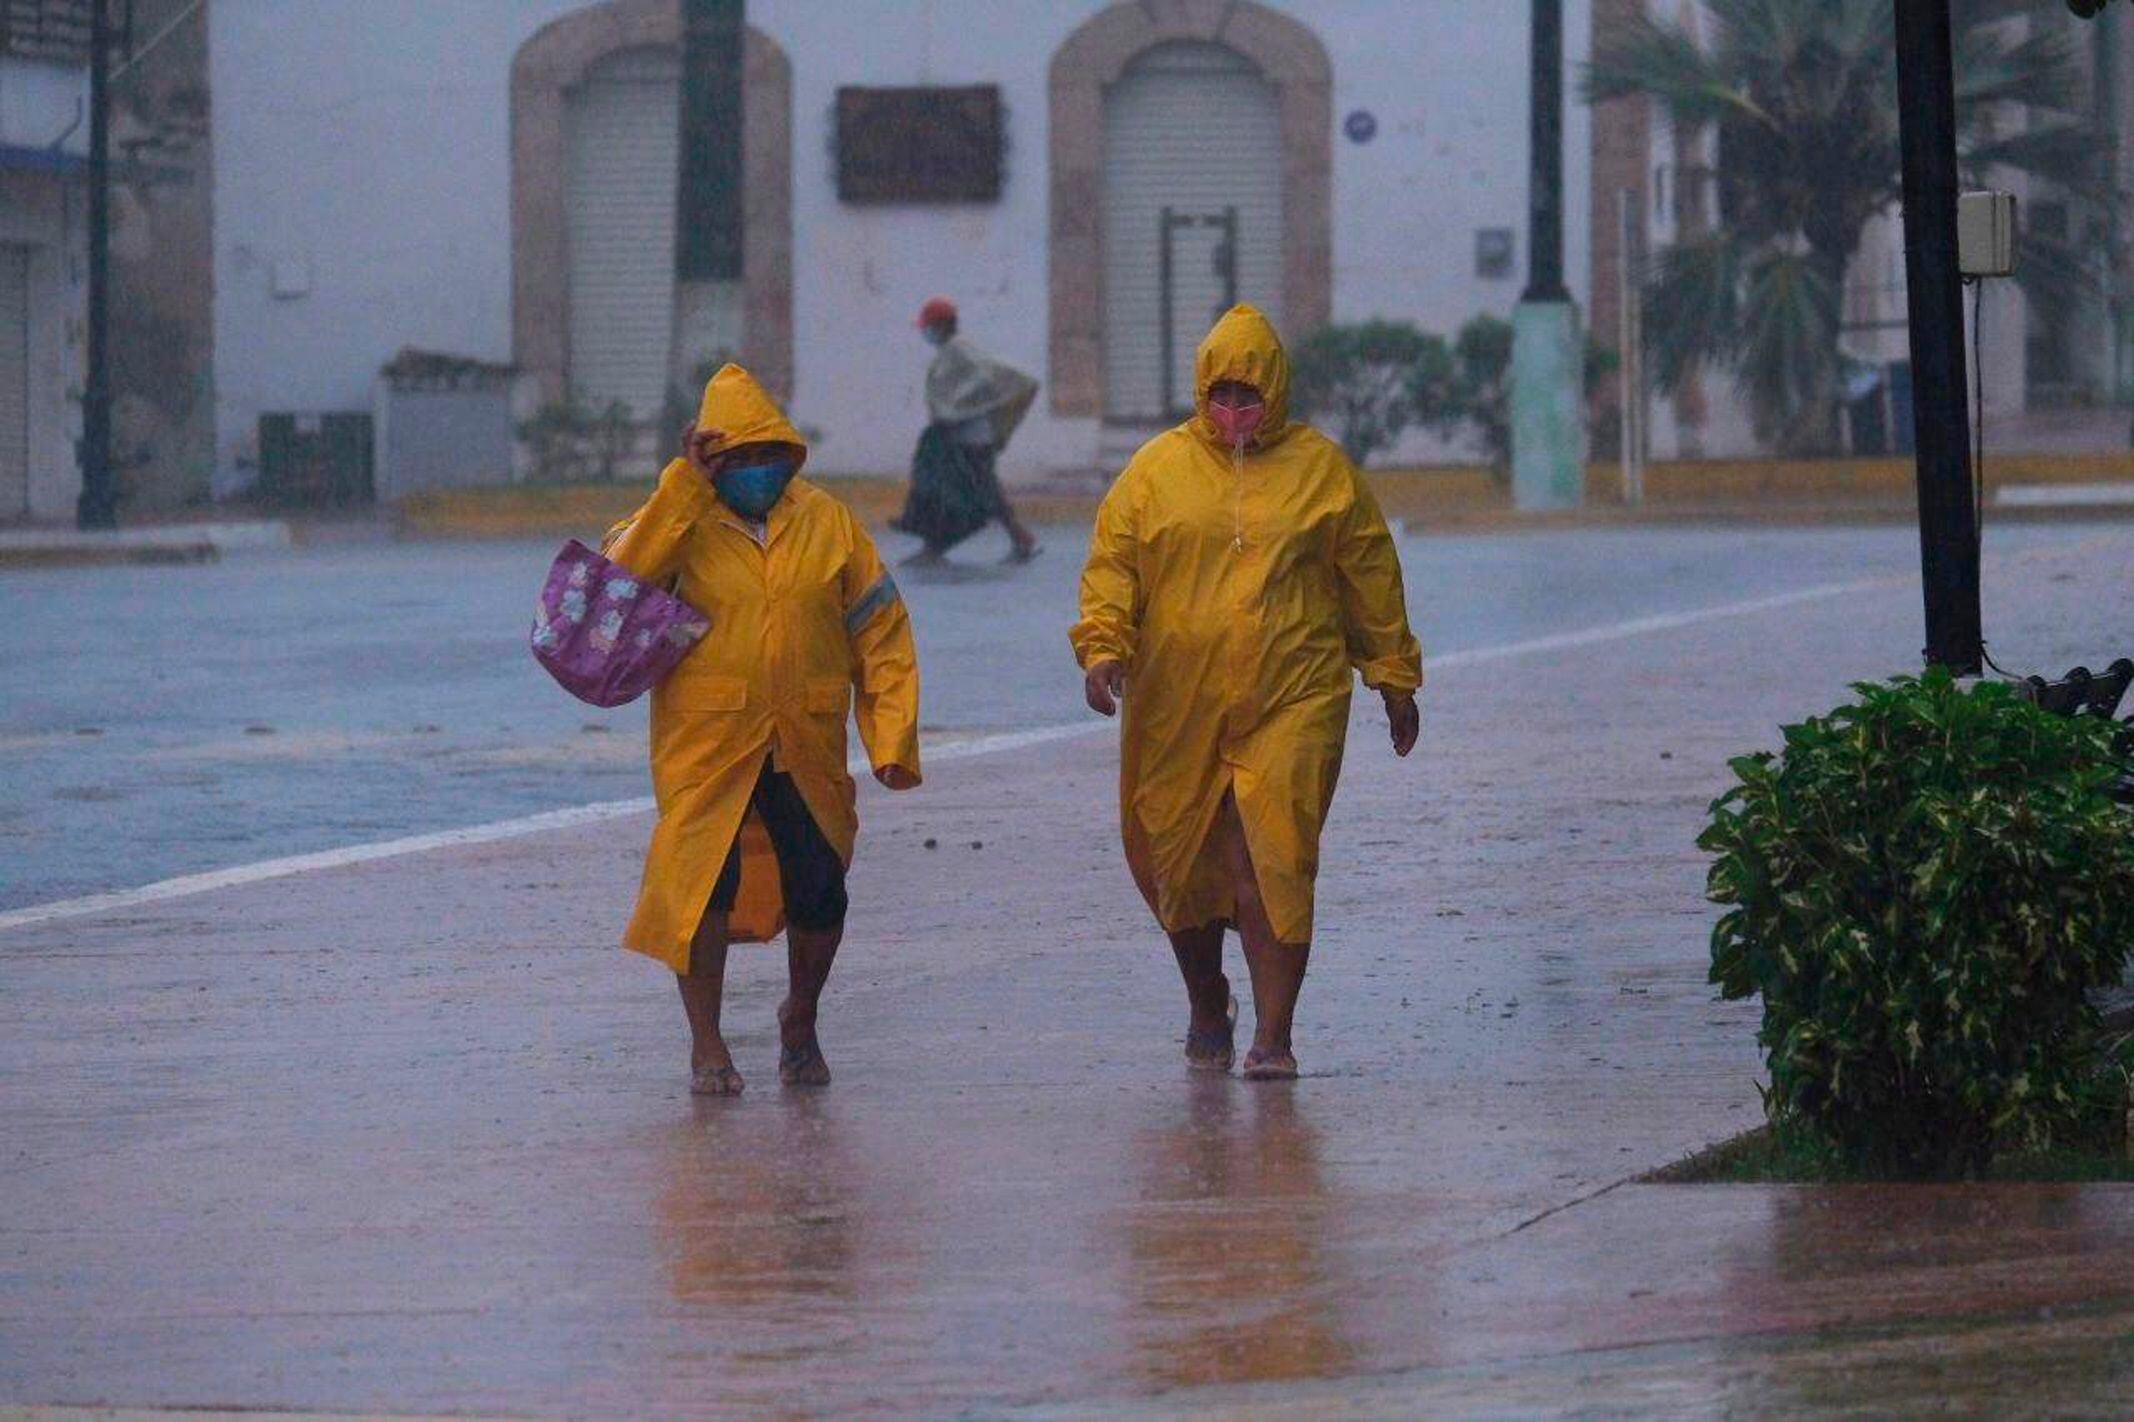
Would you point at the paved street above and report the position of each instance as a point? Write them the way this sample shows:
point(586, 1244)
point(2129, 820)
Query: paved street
point(412, 1136)
point(159, 721)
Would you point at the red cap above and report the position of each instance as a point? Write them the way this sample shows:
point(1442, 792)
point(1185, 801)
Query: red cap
point(937, 308)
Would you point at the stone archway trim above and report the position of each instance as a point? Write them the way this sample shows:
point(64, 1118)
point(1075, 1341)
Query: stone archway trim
point(555, 60)
point(1095, 56)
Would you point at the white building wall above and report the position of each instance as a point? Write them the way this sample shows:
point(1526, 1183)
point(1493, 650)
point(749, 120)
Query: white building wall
point(42, 107)
point(363, 170)
point(860, 272)
point(1449, 91)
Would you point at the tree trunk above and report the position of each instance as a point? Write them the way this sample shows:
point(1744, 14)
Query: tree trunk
point(1820, 426)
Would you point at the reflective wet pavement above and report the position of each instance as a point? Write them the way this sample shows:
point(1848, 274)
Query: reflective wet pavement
point(163, 721)
point(412, 1137)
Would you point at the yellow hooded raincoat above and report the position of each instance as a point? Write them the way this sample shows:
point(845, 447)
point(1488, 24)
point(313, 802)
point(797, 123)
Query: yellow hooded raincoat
point(798, 622)
point(1238, 593)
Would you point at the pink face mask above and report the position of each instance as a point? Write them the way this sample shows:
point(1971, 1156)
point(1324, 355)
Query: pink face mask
point(1237, 423)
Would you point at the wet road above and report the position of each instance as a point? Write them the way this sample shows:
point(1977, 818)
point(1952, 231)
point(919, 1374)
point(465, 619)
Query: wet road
point(159, 721)
point(412, 1136)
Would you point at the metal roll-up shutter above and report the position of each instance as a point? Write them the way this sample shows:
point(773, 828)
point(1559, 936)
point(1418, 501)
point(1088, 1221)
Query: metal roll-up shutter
point(624, 126)
point(14, 382)
point(1192, 130)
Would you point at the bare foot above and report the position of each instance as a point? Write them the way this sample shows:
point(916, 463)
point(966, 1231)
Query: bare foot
point(1212, 1046)
point(800, 1058)
point(1270, 1064)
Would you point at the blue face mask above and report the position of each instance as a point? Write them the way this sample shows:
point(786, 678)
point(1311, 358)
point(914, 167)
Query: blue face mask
point(752, 489)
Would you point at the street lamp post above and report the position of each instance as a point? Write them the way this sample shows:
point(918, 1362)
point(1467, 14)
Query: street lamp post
point(1948, 513)
point(98, 505)
point(1547, 355)
point(710, 313)
point(1544, 190)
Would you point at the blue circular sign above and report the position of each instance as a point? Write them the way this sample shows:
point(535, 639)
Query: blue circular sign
point(1361, 126)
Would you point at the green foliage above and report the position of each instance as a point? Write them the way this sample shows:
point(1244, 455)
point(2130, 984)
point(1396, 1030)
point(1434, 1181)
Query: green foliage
point(1801, 98)
point(1373, 380)
point(1482, 353)
point(1923, 886)
point(570, 440)
point(1482, 384)
point(1378, 379)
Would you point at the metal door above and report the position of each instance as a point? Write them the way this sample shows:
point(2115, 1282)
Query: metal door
point(1194, 128)
point(624, 129)
point(1198, 279)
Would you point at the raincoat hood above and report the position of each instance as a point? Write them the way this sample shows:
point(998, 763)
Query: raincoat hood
point(743, 413)
point(1243, 346)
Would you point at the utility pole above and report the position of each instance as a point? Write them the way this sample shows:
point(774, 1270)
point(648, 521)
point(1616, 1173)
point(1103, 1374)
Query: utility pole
point(98, 505)
point(1548, 455)
point(709, 200)
point(1948, 513)
point(1630, 336)
point(1544, 189)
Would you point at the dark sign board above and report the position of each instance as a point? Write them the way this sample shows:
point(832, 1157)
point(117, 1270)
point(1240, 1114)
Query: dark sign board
point(917, 145)
point(53, 30)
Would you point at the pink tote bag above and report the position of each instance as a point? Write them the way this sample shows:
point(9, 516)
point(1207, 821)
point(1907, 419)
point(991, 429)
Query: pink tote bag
point(605, 634)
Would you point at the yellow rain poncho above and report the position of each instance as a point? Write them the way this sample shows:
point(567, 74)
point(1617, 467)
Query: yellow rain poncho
point(1238, 593)
point(799, 622)
point(964, 384)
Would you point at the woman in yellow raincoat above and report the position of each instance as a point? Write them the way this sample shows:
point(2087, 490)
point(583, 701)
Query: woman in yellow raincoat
point(1239, 569)
point(756, 812)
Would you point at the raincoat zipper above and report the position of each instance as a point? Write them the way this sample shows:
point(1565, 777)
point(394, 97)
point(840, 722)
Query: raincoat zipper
point(1237, 498)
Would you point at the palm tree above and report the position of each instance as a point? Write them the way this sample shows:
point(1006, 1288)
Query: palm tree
point(1802, 95)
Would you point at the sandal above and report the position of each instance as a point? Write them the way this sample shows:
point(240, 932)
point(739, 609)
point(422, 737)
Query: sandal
point(803, 1066)
point(1270, 1068)
point(716, 1081)
point(1212, 1050)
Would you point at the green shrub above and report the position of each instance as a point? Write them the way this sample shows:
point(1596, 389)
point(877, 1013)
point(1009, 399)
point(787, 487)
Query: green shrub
point(1481, 396)
point(1374, 380)
point(1923, 888)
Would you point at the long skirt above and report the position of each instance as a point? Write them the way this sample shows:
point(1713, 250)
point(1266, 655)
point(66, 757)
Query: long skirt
point(954, 490)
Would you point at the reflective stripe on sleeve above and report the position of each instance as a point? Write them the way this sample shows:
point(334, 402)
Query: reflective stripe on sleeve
point(882, 594)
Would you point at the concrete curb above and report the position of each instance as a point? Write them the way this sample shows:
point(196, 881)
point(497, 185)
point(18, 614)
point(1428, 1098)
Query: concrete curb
point(1453, 498)
point(160, 543)
point(590, 516)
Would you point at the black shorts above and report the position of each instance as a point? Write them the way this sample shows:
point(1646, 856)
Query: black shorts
point(809, 870)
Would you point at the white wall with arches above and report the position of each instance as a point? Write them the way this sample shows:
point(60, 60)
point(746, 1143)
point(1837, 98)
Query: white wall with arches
point(363, 194)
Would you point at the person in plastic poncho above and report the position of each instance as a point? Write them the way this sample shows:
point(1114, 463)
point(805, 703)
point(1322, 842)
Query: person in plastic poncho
point(973, 404)
point(1239, 569)
point(756, 811)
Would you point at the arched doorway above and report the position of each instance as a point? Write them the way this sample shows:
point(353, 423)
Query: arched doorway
point(623, 140)
point(1100, 67)
point(587, 71)
point(1192, 216)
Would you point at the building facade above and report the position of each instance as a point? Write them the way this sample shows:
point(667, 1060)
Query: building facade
point(2056, 376)
point(43, 143)
point(496, 180)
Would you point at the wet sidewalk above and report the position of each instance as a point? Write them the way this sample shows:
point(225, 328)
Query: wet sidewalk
point(411, 1137)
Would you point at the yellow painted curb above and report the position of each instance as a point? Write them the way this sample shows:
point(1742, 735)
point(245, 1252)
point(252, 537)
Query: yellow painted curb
point(1446, 494)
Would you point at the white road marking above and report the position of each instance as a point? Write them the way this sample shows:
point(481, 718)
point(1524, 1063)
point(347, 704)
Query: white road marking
point(187, 885)
point(190, 884)
point(1661, 622)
